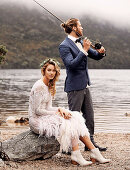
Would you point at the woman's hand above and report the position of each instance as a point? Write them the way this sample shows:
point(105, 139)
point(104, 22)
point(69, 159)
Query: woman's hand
point(64, 113)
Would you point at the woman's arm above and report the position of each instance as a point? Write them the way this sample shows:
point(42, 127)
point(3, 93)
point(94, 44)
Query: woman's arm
point(39, 96)
point(37, 105)
point(49, 106)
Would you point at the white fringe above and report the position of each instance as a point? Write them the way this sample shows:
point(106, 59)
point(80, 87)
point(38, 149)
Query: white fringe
point(63, 129)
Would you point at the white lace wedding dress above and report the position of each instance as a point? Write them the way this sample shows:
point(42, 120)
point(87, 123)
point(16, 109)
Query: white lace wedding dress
point(43, 119)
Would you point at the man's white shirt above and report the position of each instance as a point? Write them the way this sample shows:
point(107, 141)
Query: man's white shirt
point(78, 44)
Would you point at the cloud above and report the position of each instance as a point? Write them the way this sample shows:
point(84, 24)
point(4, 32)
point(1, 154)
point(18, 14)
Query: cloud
point(116, 12)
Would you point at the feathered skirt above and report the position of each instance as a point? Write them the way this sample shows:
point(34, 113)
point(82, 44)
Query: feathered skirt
point(63, 129)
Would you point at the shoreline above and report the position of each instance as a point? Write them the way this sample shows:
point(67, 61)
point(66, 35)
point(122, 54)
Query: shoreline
point(118, 151)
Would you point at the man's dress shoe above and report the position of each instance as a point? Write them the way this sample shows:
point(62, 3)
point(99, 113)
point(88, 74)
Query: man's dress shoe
point(100, 148)
point(96, 146)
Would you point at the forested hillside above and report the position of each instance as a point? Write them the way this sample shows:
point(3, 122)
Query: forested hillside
point(31, 36)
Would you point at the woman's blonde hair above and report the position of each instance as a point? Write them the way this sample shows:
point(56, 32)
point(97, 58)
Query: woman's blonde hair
point(52, 83)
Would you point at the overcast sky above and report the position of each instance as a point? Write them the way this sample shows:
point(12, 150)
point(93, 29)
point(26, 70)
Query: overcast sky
point(115, 11)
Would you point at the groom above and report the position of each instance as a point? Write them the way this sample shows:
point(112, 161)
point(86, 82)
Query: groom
point(74, 54)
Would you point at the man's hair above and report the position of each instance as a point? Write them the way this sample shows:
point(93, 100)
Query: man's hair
point(69, 24)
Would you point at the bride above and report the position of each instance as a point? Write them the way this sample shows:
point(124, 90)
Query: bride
point(64, 124)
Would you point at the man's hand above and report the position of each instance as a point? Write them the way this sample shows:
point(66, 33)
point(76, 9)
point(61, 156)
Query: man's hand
point(86, 44)
point(101, 50)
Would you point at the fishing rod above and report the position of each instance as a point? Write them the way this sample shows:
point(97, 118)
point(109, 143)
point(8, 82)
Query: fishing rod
point(97, 45)
point(49, 11)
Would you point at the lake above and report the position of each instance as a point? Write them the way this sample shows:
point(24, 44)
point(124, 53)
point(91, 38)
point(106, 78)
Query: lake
point(110, 91)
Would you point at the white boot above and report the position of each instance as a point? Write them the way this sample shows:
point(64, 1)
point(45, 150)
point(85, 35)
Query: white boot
point(77, 158)
point(96, 156)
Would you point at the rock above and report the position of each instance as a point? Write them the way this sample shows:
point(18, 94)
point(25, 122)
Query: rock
point(13, 119)
point(1, 122)
point(127, 114)
point(29, 146)
point(1, 163)
point(22, 120)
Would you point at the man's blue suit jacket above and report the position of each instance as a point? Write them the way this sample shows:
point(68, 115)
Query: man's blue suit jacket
point(76, 63)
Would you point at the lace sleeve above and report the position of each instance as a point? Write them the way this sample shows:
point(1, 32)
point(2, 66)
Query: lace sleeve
point(49, 106)
point(41, 107)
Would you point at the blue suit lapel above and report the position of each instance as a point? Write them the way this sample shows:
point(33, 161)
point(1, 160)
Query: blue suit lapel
point(72, 43)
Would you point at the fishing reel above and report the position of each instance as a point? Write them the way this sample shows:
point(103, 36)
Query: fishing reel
point(97, 46)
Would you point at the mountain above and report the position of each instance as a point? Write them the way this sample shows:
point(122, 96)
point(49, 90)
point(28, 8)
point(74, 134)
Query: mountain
point(31, 36)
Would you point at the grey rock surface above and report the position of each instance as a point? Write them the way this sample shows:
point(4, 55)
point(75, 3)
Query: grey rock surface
point(29, 146)
point(1, 163)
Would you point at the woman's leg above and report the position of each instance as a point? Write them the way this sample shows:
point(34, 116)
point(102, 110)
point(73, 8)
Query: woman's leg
point(95, 153)
point(86, 140)
point(75, 145)
point(76, 157)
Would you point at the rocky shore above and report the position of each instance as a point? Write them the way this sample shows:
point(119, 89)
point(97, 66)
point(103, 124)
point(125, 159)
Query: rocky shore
point(118, 151)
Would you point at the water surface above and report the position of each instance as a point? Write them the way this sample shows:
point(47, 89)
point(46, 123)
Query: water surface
point(110, 91)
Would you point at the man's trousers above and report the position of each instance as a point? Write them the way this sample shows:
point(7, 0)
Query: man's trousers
point(81, 100)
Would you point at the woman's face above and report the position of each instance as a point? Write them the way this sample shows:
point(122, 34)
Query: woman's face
point(50, 72)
